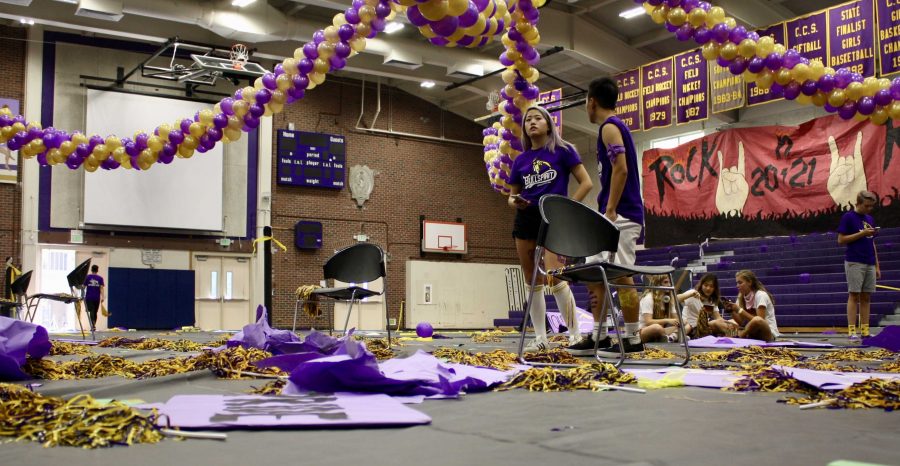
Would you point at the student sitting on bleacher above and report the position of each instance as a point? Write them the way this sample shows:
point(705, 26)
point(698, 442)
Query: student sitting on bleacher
point(658, 322)
point(701, 311)
point(755, 308)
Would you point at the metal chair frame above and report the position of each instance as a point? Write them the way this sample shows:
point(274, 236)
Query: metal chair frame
point(587, 234)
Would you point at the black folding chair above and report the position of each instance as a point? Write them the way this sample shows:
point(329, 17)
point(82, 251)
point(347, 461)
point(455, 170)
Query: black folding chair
point(572, 229)
point(360, 263)
point(19, 290)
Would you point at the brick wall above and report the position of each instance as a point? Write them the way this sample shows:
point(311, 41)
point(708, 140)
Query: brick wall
point(12, 86)
point(441, 181)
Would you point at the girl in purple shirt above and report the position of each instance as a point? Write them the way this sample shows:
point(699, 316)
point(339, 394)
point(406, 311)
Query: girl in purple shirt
point(543, 168)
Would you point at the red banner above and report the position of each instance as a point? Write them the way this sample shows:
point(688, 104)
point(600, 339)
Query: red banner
point(769, 180)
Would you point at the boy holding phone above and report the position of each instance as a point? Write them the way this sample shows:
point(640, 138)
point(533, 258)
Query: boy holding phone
point(857, 230)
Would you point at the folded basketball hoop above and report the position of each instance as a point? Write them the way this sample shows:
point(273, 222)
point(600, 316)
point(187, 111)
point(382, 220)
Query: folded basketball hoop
point(240, 54)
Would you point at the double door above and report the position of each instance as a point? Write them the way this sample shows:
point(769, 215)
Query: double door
point(222, 292)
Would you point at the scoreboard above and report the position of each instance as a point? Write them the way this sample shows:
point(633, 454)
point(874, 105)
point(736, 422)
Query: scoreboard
point(311, 159)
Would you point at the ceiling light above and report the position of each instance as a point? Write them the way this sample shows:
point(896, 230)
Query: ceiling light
point(427, 84)
point(393, 27)
point(27, 21)
point(632, 13)
point(241, 3)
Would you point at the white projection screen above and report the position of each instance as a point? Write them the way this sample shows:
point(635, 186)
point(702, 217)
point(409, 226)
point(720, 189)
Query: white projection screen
point(185, 195)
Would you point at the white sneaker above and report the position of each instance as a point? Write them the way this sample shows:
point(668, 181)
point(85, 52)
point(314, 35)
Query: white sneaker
point(672, 337)
point(574, 338)
point(537, 345)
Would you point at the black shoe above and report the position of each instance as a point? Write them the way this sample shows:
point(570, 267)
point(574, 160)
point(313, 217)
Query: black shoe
point(632, 345)
point(585, 347)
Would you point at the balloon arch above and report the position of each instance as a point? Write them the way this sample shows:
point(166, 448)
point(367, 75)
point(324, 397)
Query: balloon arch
point(456, 23)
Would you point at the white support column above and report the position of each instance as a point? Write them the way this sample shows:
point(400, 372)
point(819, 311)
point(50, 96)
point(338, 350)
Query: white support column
point(34, 52)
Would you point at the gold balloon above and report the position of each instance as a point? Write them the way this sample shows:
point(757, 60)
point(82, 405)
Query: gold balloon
point(710, 51)
point(185, 151)
point(660, 14)
point(837, 98)
point(879, 116)
point(320, 66)
point(196, 130)
point(358, 44)
point(870, 86)
point(456, 36)
point(783, 76)
point(248, 94)
point(475, 29)
point(232, 134)
point(331, 34)
point(54, 156)
point(290, 66)
point(68, 147)
point(714, 16)
point(275, 107)
point(800, 73)
point(279, 97)
point(339, 20)
point(154, 143)
point(317, 78)
point(779, 48)
point(765, 79)
point(77, 138)
point(764, 46)
point(819, 99)
point(190, 142)
point(894, 110)
point(677, 16)
point(749, 76)
point(697, 17)
point(367, 13)
point(816, 69)
point(804, 99)
point(860, 117)
point(112, 142)
point(854, 90)
point(457, 7)
point(326, 50)
point(283, 82)
point(747, 48)
point(90, 166)
point(728, 51)
point(119, 154)
point(235, 122)
point(730, 22)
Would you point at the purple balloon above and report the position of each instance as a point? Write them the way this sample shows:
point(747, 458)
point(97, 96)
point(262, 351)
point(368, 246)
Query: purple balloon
point(702, 35)
point(753, 35)
point(256, 110)
point(84, 150)
point(337, 63)
point(531, 92)
point(263, 96)
point(825, 83)
point(310, 50)
point(791, 58)
point(140, 141)
point(809, 87)
point(279, 70)
point(345, 32)
point(186, 126)
point(42, 159)
point(848, 110)
point(720, 32)
point(856, 77)
point(358, 4)
point(685, 32)
point(776, 89)
point(296, 94)
point(895, 88)
point(96, 140)
point(175, 137)
point(883, 97)
point(722, 61)
point(220, 120)
point(318, 37)
point(866, 105)
point(689, 5)
point(842, 78)
point(465, 41)
point(774, 61)
point(655, 2)
point(378, 24)
point(342, 50)
point(738, 34)
point(439, 41)
point(268, 81)
point(251, 121)
point(738, 65)
point(226, 105)
point(445, 26)
point(300, 81)
point(469, 17)
point(671, 27)
point(305, 65)
point(504, 60)
point(756, 64)
point(382, 10)
point(352, 15)
point(73, 161)
point(829, 108)
point(481, 4)
point(792, 90)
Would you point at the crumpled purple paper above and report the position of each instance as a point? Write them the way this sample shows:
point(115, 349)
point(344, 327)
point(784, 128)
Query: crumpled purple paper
point(888, 338)
point(261, 335)
point(316, 345)
point(833, 380)
point(18, 339)
point(711, 341)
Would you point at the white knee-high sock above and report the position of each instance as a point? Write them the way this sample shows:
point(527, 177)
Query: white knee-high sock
point(565, 301)
point(538, 311)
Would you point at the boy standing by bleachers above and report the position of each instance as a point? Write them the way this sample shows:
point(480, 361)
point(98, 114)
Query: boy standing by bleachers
point(857, 230)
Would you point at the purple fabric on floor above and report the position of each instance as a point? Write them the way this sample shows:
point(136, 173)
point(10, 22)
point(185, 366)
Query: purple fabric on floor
point(888, 338)
point(309, 410)
point(261, 335)
point(832, 380)
point(19, 339)
point(711, 341)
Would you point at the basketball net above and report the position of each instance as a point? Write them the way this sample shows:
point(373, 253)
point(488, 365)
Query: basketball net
point(240, 54)
point(493, 101)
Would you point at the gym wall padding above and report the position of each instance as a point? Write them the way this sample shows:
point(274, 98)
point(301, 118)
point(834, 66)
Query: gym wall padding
point(150, 298)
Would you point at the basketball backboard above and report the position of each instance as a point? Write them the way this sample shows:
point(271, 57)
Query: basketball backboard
point(227, 66)
point(444, 237)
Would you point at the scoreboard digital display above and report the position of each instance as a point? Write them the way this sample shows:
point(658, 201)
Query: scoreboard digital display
point(311, 159)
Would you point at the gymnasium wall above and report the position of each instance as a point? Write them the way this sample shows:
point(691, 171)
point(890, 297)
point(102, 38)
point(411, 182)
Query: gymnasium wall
point(12, 86)
point(441, 181)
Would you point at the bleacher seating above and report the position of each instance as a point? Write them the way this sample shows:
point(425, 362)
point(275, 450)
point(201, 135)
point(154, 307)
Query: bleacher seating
point(805, 274)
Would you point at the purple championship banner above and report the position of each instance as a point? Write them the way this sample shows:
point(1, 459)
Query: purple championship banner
point(809, 36)
point(656, 94)
point(851, 37)
point(755, 94)
point(554, 96)
point(628, 107)
point(691, 88)
point(727, 90)
point(888, 13)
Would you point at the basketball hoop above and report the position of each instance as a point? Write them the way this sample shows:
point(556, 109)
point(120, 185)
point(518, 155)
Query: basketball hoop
point(493, 101)
point(240, 54)
point(446, 248)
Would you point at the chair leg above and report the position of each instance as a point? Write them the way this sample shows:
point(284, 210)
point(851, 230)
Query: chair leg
point(620, 330)
point(678, 311)
point(538, 252)
point(387, 321)
point(294, 326)
point(349, 310)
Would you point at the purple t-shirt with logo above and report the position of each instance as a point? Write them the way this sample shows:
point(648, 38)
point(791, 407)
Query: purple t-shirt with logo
point(863, 249)
point(540, 172)
point(92, 284)
point(630, 206)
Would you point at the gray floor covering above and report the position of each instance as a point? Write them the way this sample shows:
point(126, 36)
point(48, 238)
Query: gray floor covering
point(676, 426)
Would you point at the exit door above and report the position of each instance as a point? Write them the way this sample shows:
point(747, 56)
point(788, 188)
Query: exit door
point(223, 292)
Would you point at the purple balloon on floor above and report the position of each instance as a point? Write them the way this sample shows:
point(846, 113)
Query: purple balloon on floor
point(424, 330)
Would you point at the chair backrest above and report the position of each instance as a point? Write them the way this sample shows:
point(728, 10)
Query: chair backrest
point(573, 229)
point(358, 263)
point(76, 277)
point(20, 286)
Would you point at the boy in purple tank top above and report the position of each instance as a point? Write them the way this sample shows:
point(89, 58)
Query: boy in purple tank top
point(620, 201)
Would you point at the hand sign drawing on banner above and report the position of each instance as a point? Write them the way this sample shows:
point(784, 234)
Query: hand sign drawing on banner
point(732, 192)
point(847, 175)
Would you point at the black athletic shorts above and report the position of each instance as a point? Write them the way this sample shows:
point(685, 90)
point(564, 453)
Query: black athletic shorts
point(527, 224)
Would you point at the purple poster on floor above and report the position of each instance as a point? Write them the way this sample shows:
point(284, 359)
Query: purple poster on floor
point(691, 88)
point(809, 36)
point(656, 94)
point(628, 107)
point(888, 13)
point(851, 37)
point(757, 95)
